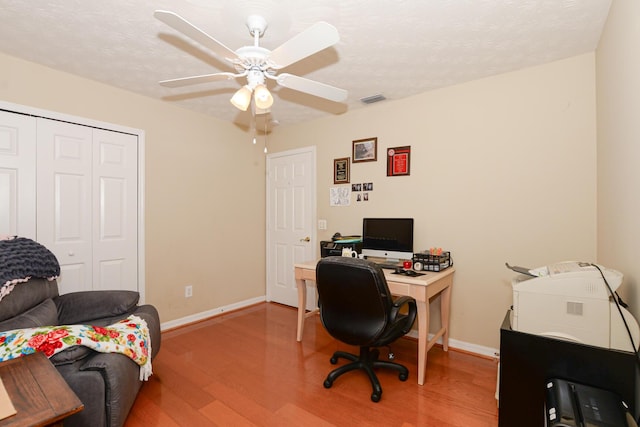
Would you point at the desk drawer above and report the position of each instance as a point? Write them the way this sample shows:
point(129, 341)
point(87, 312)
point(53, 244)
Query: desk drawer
point(399, 288)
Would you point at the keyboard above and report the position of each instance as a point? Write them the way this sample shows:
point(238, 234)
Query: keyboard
point(388, 265)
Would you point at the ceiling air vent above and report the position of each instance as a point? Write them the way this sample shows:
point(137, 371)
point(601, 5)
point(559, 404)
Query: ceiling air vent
point(373, 98)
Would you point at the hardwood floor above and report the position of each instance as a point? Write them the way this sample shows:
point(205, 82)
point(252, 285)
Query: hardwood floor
point(245, 368)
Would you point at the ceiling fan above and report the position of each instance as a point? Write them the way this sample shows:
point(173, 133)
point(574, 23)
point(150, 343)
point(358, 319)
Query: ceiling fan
point(257, 63)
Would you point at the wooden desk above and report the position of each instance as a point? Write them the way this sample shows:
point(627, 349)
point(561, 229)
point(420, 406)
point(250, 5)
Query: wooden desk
point(38, 392)
point(422, 288)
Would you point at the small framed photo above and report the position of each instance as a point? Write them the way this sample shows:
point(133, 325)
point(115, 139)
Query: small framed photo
point(341, 170)
point(365, 150)
point(399, 161)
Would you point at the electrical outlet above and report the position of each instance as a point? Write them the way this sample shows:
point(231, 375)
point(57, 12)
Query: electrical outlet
point(188, 291)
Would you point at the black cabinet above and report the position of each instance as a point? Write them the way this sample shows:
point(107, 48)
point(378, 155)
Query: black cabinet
point(528, 361)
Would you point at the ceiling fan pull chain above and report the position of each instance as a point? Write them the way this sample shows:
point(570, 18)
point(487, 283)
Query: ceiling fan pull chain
point(265, 135)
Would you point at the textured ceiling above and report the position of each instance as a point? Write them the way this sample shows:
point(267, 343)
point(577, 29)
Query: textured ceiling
point(397, 48)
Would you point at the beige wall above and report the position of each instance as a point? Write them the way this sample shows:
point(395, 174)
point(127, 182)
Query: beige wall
point(618, 94)
point(200, 179)
point(503, 169)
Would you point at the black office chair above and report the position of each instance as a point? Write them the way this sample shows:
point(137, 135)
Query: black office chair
point(357, 308)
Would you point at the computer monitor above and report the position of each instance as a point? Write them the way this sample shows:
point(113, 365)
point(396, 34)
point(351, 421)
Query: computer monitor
point(390, 238)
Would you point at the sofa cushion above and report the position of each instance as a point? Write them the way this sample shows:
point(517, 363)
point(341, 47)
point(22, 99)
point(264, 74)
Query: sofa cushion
point(83, 307)
point(43, 314)
point(27, 295)
point(70, 355)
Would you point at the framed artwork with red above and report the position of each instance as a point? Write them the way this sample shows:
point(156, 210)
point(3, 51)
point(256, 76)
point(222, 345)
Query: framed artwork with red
point(399, 161)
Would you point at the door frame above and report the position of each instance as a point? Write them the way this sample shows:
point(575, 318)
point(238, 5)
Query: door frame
point(314, 202)
point(54, 115)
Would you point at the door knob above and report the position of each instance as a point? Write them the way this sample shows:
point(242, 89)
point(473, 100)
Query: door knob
point(306, 239)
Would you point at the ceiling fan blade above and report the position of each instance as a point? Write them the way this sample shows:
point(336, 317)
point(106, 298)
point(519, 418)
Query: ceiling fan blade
point(314, 39)
point(180, 24)
point(194, 80)
point(312, 87)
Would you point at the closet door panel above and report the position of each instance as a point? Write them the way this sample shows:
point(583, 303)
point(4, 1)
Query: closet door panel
point(64, 157)
point(17, 175)
point(115, 192)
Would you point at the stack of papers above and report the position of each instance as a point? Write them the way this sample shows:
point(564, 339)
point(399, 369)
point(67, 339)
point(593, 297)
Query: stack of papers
point(6, 407)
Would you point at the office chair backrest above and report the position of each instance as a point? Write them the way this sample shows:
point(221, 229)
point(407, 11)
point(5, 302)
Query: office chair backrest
point(354, 299)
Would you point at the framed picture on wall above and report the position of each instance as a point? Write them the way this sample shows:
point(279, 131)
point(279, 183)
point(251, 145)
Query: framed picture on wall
point(365, 150)
point(399, 161)
point(341, 170)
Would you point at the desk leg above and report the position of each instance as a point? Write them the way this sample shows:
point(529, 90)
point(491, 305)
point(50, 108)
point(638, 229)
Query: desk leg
point(445, 305)
point(423, 339)
point(302, 306)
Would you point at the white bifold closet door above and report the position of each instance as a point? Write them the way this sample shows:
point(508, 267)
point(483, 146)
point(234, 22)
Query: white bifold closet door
point(87, 204)
point(17, 175)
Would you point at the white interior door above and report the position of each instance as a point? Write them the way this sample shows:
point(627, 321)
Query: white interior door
point(64, 199)
point(17, 175)
point(87, 205)
point(291, 234)
point(75, 185)
point(115, 210)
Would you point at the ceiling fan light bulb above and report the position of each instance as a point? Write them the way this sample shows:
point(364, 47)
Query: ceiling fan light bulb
point(242, 98)
point(263, 97)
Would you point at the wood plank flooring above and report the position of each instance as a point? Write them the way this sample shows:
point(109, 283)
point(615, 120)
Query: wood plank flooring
point(245, 368)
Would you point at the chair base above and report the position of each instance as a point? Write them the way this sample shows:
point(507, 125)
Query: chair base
point(367, 361)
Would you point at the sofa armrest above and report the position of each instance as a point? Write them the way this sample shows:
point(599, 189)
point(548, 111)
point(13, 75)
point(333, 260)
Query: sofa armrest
point(83, 307)
point(150, 315)
point(122, 383)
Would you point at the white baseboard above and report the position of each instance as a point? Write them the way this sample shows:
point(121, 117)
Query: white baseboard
point(453, 343)
point(209, 313)
point(464, 346)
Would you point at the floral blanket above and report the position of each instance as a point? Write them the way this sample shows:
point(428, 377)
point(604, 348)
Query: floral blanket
point(129, 336)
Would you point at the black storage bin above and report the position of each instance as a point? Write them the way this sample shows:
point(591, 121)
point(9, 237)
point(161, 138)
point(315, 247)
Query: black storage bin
point(334, 248)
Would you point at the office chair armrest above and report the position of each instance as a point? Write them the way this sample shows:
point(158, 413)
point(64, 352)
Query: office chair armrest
point(399, 302)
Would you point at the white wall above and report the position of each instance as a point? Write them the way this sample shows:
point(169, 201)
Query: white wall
point(618, 94)
point(503, 170)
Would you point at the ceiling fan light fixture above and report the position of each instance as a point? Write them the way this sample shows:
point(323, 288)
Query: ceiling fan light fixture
point(263, 97)
point(257, 63)
point(242, 98)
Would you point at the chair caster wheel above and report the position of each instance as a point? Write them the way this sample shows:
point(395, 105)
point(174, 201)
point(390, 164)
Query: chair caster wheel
point(375, 397)
point(403, 377)
point(333, 360)
point(327, 383)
